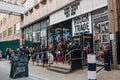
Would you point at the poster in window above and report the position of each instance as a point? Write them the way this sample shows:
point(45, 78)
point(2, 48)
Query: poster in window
point(67, 34)
point(51, 38)
point(58, 36)
point(106, 38)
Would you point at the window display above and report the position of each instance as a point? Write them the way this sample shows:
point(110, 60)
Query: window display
point(58, 34)
point(66, 34)
point(43, 36)
point(101, 33)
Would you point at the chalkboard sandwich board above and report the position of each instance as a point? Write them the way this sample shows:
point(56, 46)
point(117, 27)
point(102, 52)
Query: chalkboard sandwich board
point(19, 66)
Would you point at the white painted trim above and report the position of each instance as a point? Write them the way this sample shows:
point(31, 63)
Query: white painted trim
point(91, 58)
point(92, 75)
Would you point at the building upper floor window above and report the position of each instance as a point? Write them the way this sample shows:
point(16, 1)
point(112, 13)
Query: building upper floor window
point(17, 28)
point(4, 34)
point(0, 36)
point(9, 31)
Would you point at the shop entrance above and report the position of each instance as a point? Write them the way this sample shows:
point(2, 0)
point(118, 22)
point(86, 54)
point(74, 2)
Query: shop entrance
point(86, 45)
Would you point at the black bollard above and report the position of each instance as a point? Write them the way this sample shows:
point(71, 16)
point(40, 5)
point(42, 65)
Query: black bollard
point(107, 65)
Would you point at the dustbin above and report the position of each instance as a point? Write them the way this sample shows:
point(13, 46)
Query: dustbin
point(76, 59)
point(107, 65)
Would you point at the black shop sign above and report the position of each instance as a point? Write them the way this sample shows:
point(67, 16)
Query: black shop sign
point(81, 24)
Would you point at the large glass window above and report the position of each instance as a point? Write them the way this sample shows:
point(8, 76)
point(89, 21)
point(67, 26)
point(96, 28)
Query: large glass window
point(67, 31)
point(36, 32)
point(27, 34)
point(51, 32)
point(30, 33)
point(101, 33)
point(44, 37)
point(59, 32)
point(17, 28)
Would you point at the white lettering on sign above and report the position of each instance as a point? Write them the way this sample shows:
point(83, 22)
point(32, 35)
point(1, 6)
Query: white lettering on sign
point(82, 24)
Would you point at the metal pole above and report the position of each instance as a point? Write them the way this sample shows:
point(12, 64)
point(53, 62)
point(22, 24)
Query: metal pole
point(91, 67)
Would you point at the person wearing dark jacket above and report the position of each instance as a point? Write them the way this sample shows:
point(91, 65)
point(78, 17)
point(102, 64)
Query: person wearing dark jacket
point(44, 57)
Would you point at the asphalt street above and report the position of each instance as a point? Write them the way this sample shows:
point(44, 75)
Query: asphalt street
point(5, 71)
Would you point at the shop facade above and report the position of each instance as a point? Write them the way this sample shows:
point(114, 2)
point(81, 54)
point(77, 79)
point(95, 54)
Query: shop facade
point(92, 22)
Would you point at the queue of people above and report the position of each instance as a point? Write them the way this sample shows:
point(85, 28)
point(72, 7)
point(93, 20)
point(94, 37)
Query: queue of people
point(54, 53)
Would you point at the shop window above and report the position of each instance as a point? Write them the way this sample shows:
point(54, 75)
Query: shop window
point(59, 32)
point(27, 35)
point(9, 31)
point(43, 38)
point(44, 23)
point(101, 33)
point(36, 36)
point(51, 33)
point(36, 32)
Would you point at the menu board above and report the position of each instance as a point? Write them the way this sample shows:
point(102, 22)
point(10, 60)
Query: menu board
point(19, 66)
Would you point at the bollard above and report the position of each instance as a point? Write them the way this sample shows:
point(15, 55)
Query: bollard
point(107, 65)
point(91, 66)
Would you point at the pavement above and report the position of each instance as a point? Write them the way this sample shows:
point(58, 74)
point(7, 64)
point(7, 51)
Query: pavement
point(40, 73)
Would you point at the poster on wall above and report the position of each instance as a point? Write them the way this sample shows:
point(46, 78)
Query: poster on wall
point(82, 24)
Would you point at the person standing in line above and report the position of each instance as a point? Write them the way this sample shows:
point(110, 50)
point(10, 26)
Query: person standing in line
point(44, 57)
point(58, 52)
point(8, 55)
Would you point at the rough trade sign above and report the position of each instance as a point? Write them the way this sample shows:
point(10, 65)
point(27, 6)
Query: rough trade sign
point(82, 24)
